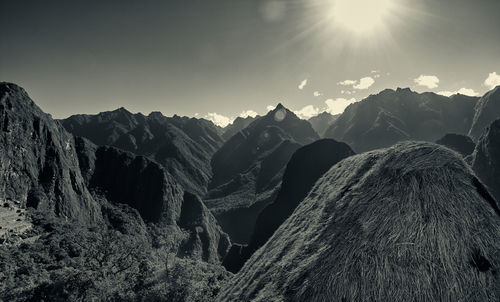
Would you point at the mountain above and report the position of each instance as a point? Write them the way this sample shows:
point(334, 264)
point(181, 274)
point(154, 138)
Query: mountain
point(487, 110)
point(305, 167)
point(391, 116)
point(389, 225)
point(184, 146)
point(87, 222)
point(322, 121)
point(463, 144)
point(38, 163)
point(486, 158)
point(248, 168)
point(238, 124)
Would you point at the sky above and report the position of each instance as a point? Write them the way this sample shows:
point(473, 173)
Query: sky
point(220, 59)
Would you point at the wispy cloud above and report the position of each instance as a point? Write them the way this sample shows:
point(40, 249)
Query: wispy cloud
point(364, 83)
point(347, 83)
point(429, 81)
point(218, 119)
point(303, 84)
point(338, 105)
point(464, 91)
point(316, 93)
point(307, 112)
point(492, 81)
point(247, 113)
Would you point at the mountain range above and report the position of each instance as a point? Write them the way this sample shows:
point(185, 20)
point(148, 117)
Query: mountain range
point(127, 206)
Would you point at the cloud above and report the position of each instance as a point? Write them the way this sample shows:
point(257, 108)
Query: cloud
point(364, 83)
point(429, 81)
point(316, 93)
point(376, 76)
point(307, 112)
point(338, 105)
point(270, 107)
point(218, 119)
point(348, 92)
point(464, 91)
point(247, 113)
point(375, 71)
point(492, 81)
point(347, 83)
point(303, 84)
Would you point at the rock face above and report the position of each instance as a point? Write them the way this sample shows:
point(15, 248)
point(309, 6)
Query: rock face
point(384, 119)
point(486, 159)
point(248, 168)
point(124, 178)
point(182, 145)
point(458, 142)
point(38, 163)
point(305, 167)
point(238, 124)
point(322, 121)
point(387, 225)
point(487, 110)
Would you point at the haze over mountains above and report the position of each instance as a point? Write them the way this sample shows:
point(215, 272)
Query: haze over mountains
point(284, 199)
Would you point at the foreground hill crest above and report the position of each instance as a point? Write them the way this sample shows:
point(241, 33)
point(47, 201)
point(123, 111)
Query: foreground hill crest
point(388, 225)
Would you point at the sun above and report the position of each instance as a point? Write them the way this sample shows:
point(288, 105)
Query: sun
point(361, 16)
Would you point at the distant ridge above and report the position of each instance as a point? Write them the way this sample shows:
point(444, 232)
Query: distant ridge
point(182, 145)
point(381, 120)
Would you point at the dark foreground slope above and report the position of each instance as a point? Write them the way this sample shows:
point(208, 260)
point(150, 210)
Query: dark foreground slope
point(486, 158)
point(458, 142)
point(305, 167)
point(248, 168)
point(406, 223)
point(382, 120)
point(182, 145)
point(487, 110)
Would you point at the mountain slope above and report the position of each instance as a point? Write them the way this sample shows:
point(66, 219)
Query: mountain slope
point(237, 125)
point(399, 224)
point(38, 164)
point(322, 122)
point(248, 168)
point(305, 167)
point(486, 159)
point(391, 116)
point(182, 145)
point(487, 110)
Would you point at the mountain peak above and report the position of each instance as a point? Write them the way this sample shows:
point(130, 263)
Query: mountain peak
point(279, 106)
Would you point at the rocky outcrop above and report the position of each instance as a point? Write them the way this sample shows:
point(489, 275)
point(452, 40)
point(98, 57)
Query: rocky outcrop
point(38, 162)
point(122, 177)
point(305, 167)
point(463, 144)
point(387, 225)
point(487, 110)
point(382, 120)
